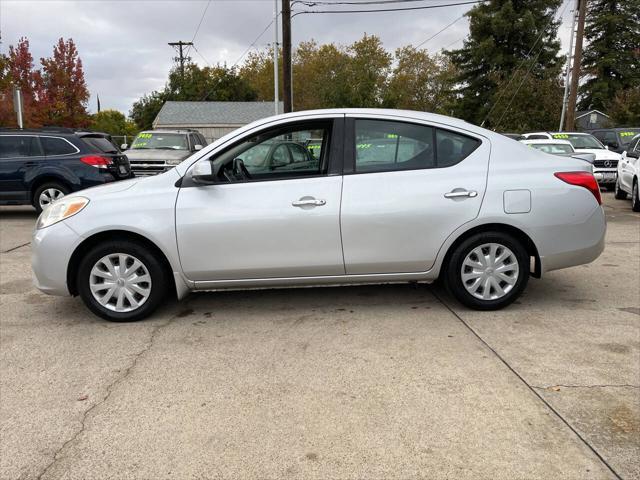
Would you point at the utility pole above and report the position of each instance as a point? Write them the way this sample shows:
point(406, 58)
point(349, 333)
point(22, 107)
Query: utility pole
point(286, 55)
point(181, 58)
point(18, 105)
point(577, 61)
point(276, 95)
point(568, 70)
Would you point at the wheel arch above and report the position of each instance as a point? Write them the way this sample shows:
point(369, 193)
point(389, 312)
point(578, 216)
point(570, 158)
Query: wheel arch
point(97, 238)
point(515, 232)
point(47, 178)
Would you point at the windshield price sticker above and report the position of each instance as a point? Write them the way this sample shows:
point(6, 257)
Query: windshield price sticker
point(560, 135)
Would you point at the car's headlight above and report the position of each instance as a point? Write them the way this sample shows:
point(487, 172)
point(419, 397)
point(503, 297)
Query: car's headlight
point(61, 209)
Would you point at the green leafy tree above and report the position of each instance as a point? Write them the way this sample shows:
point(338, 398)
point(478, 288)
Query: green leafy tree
point(216, 83)
point(113, 122)
point(502, 35)
point(625, 107)
point(367, 72)
point(420, 81)
point(611, 58)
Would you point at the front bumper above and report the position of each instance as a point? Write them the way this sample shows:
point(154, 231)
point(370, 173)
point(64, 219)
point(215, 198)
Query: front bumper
point(51, 251)
point(605, 176)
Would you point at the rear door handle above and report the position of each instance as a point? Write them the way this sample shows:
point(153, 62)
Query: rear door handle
point(308, 202)
point(461, 193)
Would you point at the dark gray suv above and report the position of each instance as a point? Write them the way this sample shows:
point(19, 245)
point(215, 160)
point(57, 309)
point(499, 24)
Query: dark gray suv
point(156, 151)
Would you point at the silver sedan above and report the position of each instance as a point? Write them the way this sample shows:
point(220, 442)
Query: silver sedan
point(326, 197)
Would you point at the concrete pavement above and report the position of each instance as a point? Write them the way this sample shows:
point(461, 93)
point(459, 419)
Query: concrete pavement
point(391, 381)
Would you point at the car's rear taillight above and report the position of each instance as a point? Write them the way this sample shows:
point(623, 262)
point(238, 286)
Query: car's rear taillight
point(582, 179)
point(96, 161)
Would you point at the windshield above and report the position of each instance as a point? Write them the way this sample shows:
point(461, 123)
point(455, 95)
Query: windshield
point(627, 135)
point(160, 140)
point(552, 147)
point(580, 141)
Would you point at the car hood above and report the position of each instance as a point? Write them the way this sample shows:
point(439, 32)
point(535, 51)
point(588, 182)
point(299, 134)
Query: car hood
point(159, 154)
point(600, 153)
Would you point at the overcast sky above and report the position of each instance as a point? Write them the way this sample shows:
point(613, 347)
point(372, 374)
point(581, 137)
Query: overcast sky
point(123, 43)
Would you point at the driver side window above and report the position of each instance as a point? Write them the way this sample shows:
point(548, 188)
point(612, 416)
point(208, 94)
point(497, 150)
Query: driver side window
point(288, 152)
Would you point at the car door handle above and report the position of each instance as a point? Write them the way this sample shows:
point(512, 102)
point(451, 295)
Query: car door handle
point(461, 193)
point(310, 202)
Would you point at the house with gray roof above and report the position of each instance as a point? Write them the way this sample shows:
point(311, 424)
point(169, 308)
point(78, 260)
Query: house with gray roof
point(212, 119)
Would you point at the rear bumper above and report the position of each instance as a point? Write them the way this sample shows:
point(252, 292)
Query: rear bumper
point(577, 244)
point(51, 250)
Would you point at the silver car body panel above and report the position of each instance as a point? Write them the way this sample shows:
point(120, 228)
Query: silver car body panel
point(248, 235)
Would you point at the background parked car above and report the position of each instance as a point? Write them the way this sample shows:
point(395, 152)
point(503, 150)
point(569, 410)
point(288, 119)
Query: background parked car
point(616, 139)
point(156, 151)
point(42, 165)
point(559, 147)
point(629, 173)
point(605, 163)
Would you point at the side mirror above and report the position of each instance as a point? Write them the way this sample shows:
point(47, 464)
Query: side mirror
point(124, 146)
point(633, 155)
point(198, 147)
point(203, 173)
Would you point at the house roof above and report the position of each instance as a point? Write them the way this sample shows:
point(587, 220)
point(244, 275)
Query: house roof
point(582, 113)
point(213, 113)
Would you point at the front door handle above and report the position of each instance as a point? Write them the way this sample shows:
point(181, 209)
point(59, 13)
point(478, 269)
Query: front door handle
point(308, 202)
point(461, 193)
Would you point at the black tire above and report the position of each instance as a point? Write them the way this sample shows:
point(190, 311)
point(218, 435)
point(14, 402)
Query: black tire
point(453, 273)
point(35, 201)
point(619, 194)
point(159, 285)
point(635, 196)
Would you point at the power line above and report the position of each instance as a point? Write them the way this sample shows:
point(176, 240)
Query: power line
point(422, 7)
point(524, 77)
point(311, 3)
point(440, 31)
point(513, 75)
point(199, 24)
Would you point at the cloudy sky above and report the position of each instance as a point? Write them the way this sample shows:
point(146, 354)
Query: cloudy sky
point(123, 43)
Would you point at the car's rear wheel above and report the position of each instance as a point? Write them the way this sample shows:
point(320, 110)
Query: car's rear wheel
point(635, 197)
point(121, 281)
point(48, 193)
point(487, 271)
point(619, 194)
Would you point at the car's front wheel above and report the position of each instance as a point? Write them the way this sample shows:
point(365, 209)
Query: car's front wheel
point(619, 194)
point(487, 271)
point(121, 281)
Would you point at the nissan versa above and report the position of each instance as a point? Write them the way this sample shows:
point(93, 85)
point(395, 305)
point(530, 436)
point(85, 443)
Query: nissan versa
point(327, 197)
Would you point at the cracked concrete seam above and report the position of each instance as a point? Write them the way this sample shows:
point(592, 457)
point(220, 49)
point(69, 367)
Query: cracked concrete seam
point(109, 389)
point(16, 248)
point(548, 387)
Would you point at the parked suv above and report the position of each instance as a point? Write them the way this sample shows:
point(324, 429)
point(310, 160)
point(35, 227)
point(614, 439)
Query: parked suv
point(616, 139)
point(156, 151)
point(40, 166)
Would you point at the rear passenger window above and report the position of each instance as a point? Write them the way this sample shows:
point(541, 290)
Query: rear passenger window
point(16, 146)
point(383, 146)
point(57, 146)
point(391, 146)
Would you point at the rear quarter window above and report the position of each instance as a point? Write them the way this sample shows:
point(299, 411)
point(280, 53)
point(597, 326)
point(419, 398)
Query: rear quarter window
point(57, 146)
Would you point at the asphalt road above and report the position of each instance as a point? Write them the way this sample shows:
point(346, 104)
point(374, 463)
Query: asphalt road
point(391, 381)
